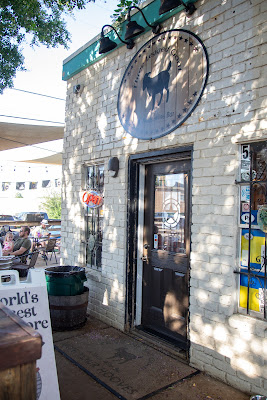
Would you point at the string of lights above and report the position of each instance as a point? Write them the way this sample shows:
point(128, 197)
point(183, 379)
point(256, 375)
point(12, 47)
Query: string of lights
point(15, 166)
point(4, 168)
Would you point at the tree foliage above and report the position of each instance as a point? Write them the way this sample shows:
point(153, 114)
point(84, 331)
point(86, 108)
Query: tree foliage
point(52, 205)
point(41, 21)
point(122, 8)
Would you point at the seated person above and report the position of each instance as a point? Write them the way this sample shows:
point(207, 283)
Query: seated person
point(3, 232)
point(22, 246)
point(8, 242)
point(40, 232)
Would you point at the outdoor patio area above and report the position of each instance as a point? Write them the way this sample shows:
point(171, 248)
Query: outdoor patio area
point(51, 261)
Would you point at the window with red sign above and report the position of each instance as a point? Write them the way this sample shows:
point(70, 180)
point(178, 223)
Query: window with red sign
point(94, 217)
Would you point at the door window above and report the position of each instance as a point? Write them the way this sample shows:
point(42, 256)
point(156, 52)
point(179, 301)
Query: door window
point(169, 213)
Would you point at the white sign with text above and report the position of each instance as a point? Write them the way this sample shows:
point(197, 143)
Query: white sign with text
point(28, 299)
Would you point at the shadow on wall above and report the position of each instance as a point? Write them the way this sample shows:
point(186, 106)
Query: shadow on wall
point(240, 357)
point(230, 110)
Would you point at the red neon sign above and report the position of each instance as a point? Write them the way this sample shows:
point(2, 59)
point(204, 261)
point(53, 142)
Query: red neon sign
point(92, 199)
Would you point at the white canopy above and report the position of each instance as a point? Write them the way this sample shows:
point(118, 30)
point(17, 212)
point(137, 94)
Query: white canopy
point(19, 135)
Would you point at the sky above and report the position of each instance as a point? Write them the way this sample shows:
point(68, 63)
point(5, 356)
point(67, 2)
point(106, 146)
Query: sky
point(44, 76)
point(44, 70)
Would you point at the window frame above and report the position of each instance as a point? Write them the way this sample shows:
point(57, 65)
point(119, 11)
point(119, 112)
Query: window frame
point(256, 274)
point(94, 234)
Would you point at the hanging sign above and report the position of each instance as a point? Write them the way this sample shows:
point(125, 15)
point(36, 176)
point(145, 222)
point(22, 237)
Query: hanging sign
point(163, 84)
point(92, 199)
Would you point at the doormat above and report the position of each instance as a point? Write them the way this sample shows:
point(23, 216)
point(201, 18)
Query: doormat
point(132, 369)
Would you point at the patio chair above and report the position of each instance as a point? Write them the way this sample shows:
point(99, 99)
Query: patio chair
point(49, 248)
point(23, 267)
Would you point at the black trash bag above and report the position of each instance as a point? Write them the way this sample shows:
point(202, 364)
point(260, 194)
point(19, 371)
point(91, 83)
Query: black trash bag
point(66, 271)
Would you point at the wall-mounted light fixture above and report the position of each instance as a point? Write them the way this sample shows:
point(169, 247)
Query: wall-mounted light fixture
point(113, 166)
point(133, 29)
point(168, 5)
point(106, 44)
point(77, 89)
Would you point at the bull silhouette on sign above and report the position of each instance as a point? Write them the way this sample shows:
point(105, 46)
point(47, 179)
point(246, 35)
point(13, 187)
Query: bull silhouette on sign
point(157, 84)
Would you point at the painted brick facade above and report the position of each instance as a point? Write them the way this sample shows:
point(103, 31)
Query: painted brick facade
point(232, 111)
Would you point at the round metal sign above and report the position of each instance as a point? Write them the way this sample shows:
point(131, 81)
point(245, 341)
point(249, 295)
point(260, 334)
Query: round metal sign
point(163, 84)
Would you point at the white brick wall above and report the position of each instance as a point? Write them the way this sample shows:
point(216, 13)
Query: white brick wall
point(227, 345)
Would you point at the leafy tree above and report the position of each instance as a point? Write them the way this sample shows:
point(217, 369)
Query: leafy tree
point(52, 205)
point(42, 20)
point(122, 8)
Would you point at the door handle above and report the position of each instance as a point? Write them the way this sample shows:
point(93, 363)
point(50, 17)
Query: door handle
point(145, 258)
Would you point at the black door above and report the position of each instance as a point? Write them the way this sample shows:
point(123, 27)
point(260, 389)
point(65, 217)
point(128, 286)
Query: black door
point(166, 250)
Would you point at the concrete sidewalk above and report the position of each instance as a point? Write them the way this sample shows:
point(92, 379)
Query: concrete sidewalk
point(99, 362)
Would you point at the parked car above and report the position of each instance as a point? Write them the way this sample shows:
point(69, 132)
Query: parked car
point(32, 216)
point(4, 217)
point(55, 230)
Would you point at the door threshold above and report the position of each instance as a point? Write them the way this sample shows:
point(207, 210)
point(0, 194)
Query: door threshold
point(160, 344)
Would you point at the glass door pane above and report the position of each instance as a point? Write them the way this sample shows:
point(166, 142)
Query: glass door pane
point(169, 213)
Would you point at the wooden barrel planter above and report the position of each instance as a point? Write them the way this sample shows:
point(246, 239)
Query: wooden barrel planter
point(68, 312)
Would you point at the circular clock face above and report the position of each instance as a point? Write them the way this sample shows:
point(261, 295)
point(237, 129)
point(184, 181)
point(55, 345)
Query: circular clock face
point(163, 84)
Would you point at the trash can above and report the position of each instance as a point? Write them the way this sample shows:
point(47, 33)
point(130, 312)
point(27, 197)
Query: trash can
point(68, 298)
point(65, 281)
